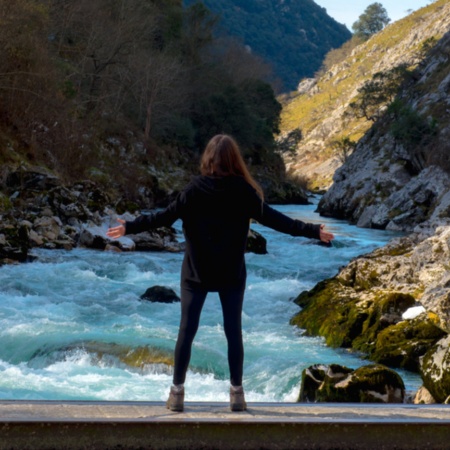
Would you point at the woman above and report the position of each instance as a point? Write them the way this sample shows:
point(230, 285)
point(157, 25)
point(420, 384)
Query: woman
point(216, 209)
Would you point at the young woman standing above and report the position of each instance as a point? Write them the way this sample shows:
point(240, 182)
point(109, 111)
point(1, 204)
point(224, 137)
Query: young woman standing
point(216, 209)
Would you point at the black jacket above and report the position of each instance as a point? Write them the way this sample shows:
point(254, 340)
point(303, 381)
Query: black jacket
point(216, 215)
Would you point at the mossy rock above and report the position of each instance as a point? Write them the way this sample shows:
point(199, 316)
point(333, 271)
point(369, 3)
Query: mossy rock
point(435, 370)
point(337, 312)
point(385, 309)
point(314, 376)
point(137, 357)
point(368, 384)
point(396, 302)
point(403, 344)
point(373, 383)
point(329, 310)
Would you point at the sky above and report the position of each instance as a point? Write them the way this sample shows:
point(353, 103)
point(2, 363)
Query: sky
point(348, 11)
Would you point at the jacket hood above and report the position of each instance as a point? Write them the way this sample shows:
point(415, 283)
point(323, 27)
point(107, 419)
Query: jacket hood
point(215, 185)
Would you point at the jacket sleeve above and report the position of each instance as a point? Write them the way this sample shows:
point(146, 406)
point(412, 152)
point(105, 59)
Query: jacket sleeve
point(164, 218)
point(278, 221)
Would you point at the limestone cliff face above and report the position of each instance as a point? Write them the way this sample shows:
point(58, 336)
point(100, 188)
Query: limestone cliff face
point(383, 184)
point(321, 109)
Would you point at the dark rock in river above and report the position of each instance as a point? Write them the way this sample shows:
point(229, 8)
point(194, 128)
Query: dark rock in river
point(256, 243)
point(161, 239)
point(160, 294)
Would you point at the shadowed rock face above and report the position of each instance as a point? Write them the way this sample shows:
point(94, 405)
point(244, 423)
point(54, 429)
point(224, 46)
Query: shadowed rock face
point(367, 384)
point(375, 191)
point(14, 243)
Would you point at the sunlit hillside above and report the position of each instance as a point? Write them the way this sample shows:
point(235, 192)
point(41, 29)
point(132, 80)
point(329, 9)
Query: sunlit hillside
point(323, 112)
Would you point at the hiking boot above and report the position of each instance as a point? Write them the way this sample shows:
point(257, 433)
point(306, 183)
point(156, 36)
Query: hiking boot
point(175, 402)
point(237, 399)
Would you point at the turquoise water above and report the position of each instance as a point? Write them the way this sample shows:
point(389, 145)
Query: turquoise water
point(65, 317)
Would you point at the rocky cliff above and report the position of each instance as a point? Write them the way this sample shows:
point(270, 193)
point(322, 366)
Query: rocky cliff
point(390, 182)
point(322, 111)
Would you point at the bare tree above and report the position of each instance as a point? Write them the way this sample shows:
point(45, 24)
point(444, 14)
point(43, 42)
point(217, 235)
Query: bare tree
point(158, 89)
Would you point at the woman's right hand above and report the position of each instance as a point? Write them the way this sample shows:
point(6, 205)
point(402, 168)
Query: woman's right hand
point(117, 232)
point(325, 236)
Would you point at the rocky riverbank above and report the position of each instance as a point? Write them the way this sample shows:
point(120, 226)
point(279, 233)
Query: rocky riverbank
point(393, 306)
point(38, 210)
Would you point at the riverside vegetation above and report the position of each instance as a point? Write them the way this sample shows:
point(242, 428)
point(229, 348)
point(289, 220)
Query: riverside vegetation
point(64, 130)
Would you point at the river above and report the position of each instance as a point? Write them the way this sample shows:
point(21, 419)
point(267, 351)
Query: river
point(68, 320)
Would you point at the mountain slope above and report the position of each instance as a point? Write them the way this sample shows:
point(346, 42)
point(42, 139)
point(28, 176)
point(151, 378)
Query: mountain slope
point(293, 35)
point(323, 113)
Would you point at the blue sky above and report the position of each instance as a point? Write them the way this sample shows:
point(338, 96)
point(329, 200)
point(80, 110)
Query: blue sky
point(348, 11)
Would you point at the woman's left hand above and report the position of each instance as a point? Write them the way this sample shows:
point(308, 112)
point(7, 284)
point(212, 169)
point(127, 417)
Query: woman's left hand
point(325, 236)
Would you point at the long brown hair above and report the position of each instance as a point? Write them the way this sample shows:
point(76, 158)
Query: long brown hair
point(222, 157)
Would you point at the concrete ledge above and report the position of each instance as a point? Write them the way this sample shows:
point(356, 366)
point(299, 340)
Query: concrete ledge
point(149, 425)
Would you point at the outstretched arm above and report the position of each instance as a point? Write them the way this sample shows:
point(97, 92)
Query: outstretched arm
point(164, 218)
point(272, 218)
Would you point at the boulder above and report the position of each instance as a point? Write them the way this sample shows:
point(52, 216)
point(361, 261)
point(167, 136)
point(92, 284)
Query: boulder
point(369, 305)
point(48, 228)
point(161, 239)
point(435, 370)
point(68, 203)
point(423, 397)
point(14, 241)
point(403, 344)
point(160, 294)
point(367, 384)
point(256, 243)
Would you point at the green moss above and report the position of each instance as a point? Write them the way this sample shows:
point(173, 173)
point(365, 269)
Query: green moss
point(133, 357)
point(396, 302)
point(361, 385)
point(399, 250)
point(5, 203)
point(435, 371)
point(329, 311)
point(335, 312)
point(402, 344)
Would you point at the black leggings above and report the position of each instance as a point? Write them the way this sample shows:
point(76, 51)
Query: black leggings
point(192, 301)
